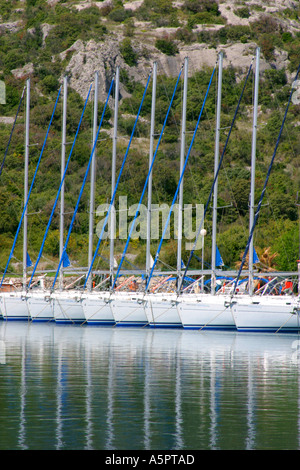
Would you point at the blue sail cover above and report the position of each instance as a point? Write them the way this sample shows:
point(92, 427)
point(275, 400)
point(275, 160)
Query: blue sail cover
point(255, 257)
point(65, 260)
point(28, 261)
point(219, 260)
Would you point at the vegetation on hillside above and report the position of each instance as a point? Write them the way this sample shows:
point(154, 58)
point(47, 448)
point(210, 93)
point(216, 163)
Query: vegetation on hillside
point(278, 226)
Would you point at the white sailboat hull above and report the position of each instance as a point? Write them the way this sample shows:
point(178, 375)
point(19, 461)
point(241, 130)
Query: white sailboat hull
point(267, 313)
point(206, 311)
point(97, 309)
point(40, 307)
point(14, 306)
point(129, 309)
point(67, 307)
point(162, 311)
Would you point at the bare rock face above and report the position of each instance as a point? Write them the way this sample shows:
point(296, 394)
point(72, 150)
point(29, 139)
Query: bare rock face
point(104, 57)
point(11, 27)
point(23, 72)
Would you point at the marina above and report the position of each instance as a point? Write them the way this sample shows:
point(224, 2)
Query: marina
point(153, 298)
point(150, 228)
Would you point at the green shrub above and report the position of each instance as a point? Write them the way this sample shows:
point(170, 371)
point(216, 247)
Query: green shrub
point(119, 14)
point(50, 83)
point(286, 36)
point(242, 12)
point(167, 46)
point(196, 6)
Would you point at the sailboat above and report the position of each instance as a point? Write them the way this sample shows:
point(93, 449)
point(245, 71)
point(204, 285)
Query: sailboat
point(245, 311)
point(210, 310)
point(161, 309)
point(135, 308)
point(68, 305)
point(41, 304)
point(101, 307)
point(182, 308)
point(7, 290)
point(270, 313)
point(14, 305)
point(96, 304)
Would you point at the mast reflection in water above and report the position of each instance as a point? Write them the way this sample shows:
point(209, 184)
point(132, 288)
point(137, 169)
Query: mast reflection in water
point(81, 387)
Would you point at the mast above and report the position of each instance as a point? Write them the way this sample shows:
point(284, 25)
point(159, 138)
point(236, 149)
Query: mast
point(148, 254)
point(215, 200)
point(182, 149)
point(113, 177)
point(253, 158)
point(92, 188)
point(62, 194)
point(26, 183)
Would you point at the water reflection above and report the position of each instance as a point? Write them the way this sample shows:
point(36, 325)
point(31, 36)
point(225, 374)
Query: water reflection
point(72, 387)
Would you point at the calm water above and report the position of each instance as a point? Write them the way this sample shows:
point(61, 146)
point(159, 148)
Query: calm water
point(73, 387)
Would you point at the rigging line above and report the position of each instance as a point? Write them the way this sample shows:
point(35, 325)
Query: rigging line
point(265, 186)
point(179, 183)
point(146, 182)
point(82, 186)
point(59, 190)
point(277, 106)
point(117, 183)
point(216, 175)
point(10, 137)
point(29, 192)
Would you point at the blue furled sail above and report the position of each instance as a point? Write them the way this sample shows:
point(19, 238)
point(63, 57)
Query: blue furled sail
point(66, 261)
point(255, 257)
point(28, 261)
point(219, 260)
